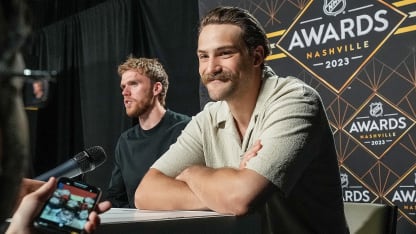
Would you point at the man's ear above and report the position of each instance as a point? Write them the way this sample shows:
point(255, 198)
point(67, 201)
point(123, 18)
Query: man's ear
point(258, 55)
point(157, 88)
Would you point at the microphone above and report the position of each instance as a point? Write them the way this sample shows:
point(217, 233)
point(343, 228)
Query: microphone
point(83, 162)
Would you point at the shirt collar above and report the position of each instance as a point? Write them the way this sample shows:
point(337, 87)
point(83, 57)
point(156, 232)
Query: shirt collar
point(224, 113)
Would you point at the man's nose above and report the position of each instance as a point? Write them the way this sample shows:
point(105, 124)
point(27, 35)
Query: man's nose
point(125, 91)
point(213, 67)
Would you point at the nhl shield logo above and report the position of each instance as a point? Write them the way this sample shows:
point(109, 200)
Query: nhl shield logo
point(344, 180)
point(334, 7)
point(376, 109)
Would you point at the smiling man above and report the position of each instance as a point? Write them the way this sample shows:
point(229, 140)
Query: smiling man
point(264, 146)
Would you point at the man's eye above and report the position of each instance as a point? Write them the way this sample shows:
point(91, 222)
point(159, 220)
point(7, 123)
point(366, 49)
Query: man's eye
point(202, 56)
point(226, 53)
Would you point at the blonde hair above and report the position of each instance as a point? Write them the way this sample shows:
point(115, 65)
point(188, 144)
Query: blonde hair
point(150, 68)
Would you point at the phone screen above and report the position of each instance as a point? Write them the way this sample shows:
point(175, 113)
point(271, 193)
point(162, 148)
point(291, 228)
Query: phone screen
point(69, 207)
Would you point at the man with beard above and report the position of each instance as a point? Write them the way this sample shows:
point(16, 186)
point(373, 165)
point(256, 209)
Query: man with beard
point(265, 145)
point(144, 84)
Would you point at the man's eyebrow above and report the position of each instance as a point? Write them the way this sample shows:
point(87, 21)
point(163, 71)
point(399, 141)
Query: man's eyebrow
point(219, 49)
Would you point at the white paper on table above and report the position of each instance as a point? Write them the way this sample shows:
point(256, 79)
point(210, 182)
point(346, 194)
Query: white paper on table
point(122, 215)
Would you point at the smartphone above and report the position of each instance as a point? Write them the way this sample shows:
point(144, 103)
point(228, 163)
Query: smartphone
point(67, 210)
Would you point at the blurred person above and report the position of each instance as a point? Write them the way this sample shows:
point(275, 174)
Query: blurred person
point(14, 137)
point(265, 146)
point(144, 84)
point(38, 89)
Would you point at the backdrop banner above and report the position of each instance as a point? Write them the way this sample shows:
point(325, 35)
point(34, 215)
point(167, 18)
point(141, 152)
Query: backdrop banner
point(360, 56)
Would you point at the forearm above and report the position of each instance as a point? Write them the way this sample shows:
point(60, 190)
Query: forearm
point(225, 190)
point(160, 192)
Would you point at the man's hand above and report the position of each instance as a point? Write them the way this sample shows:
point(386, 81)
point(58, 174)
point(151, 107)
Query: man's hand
point(252, 152)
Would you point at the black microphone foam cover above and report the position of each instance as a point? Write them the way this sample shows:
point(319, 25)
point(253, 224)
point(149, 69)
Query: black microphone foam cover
point(91, 158)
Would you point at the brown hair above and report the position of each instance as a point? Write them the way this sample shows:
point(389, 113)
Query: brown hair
point(150, 68)
point(253, 33)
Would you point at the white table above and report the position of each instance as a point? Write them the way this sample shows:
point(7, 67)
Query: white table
point(121, 221)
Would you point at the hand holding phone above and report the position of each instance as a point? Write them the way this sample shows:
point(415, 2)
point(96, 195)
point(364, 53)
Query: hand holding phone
point(67, 210)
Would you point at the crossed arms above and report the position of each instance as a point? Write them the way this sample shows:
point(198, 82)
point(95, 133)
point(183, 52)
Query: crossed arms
point(290, 130)
point(224, 190)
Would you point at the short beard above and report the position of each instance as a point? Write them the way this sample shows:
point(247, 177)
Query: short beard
point(144, 108)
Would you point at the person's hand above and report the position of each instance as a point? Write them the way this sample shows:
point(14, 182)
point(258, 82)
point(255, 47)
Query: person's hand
point(30, 206)
point(252, 152)
point(94, 219)
point(27, 186)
